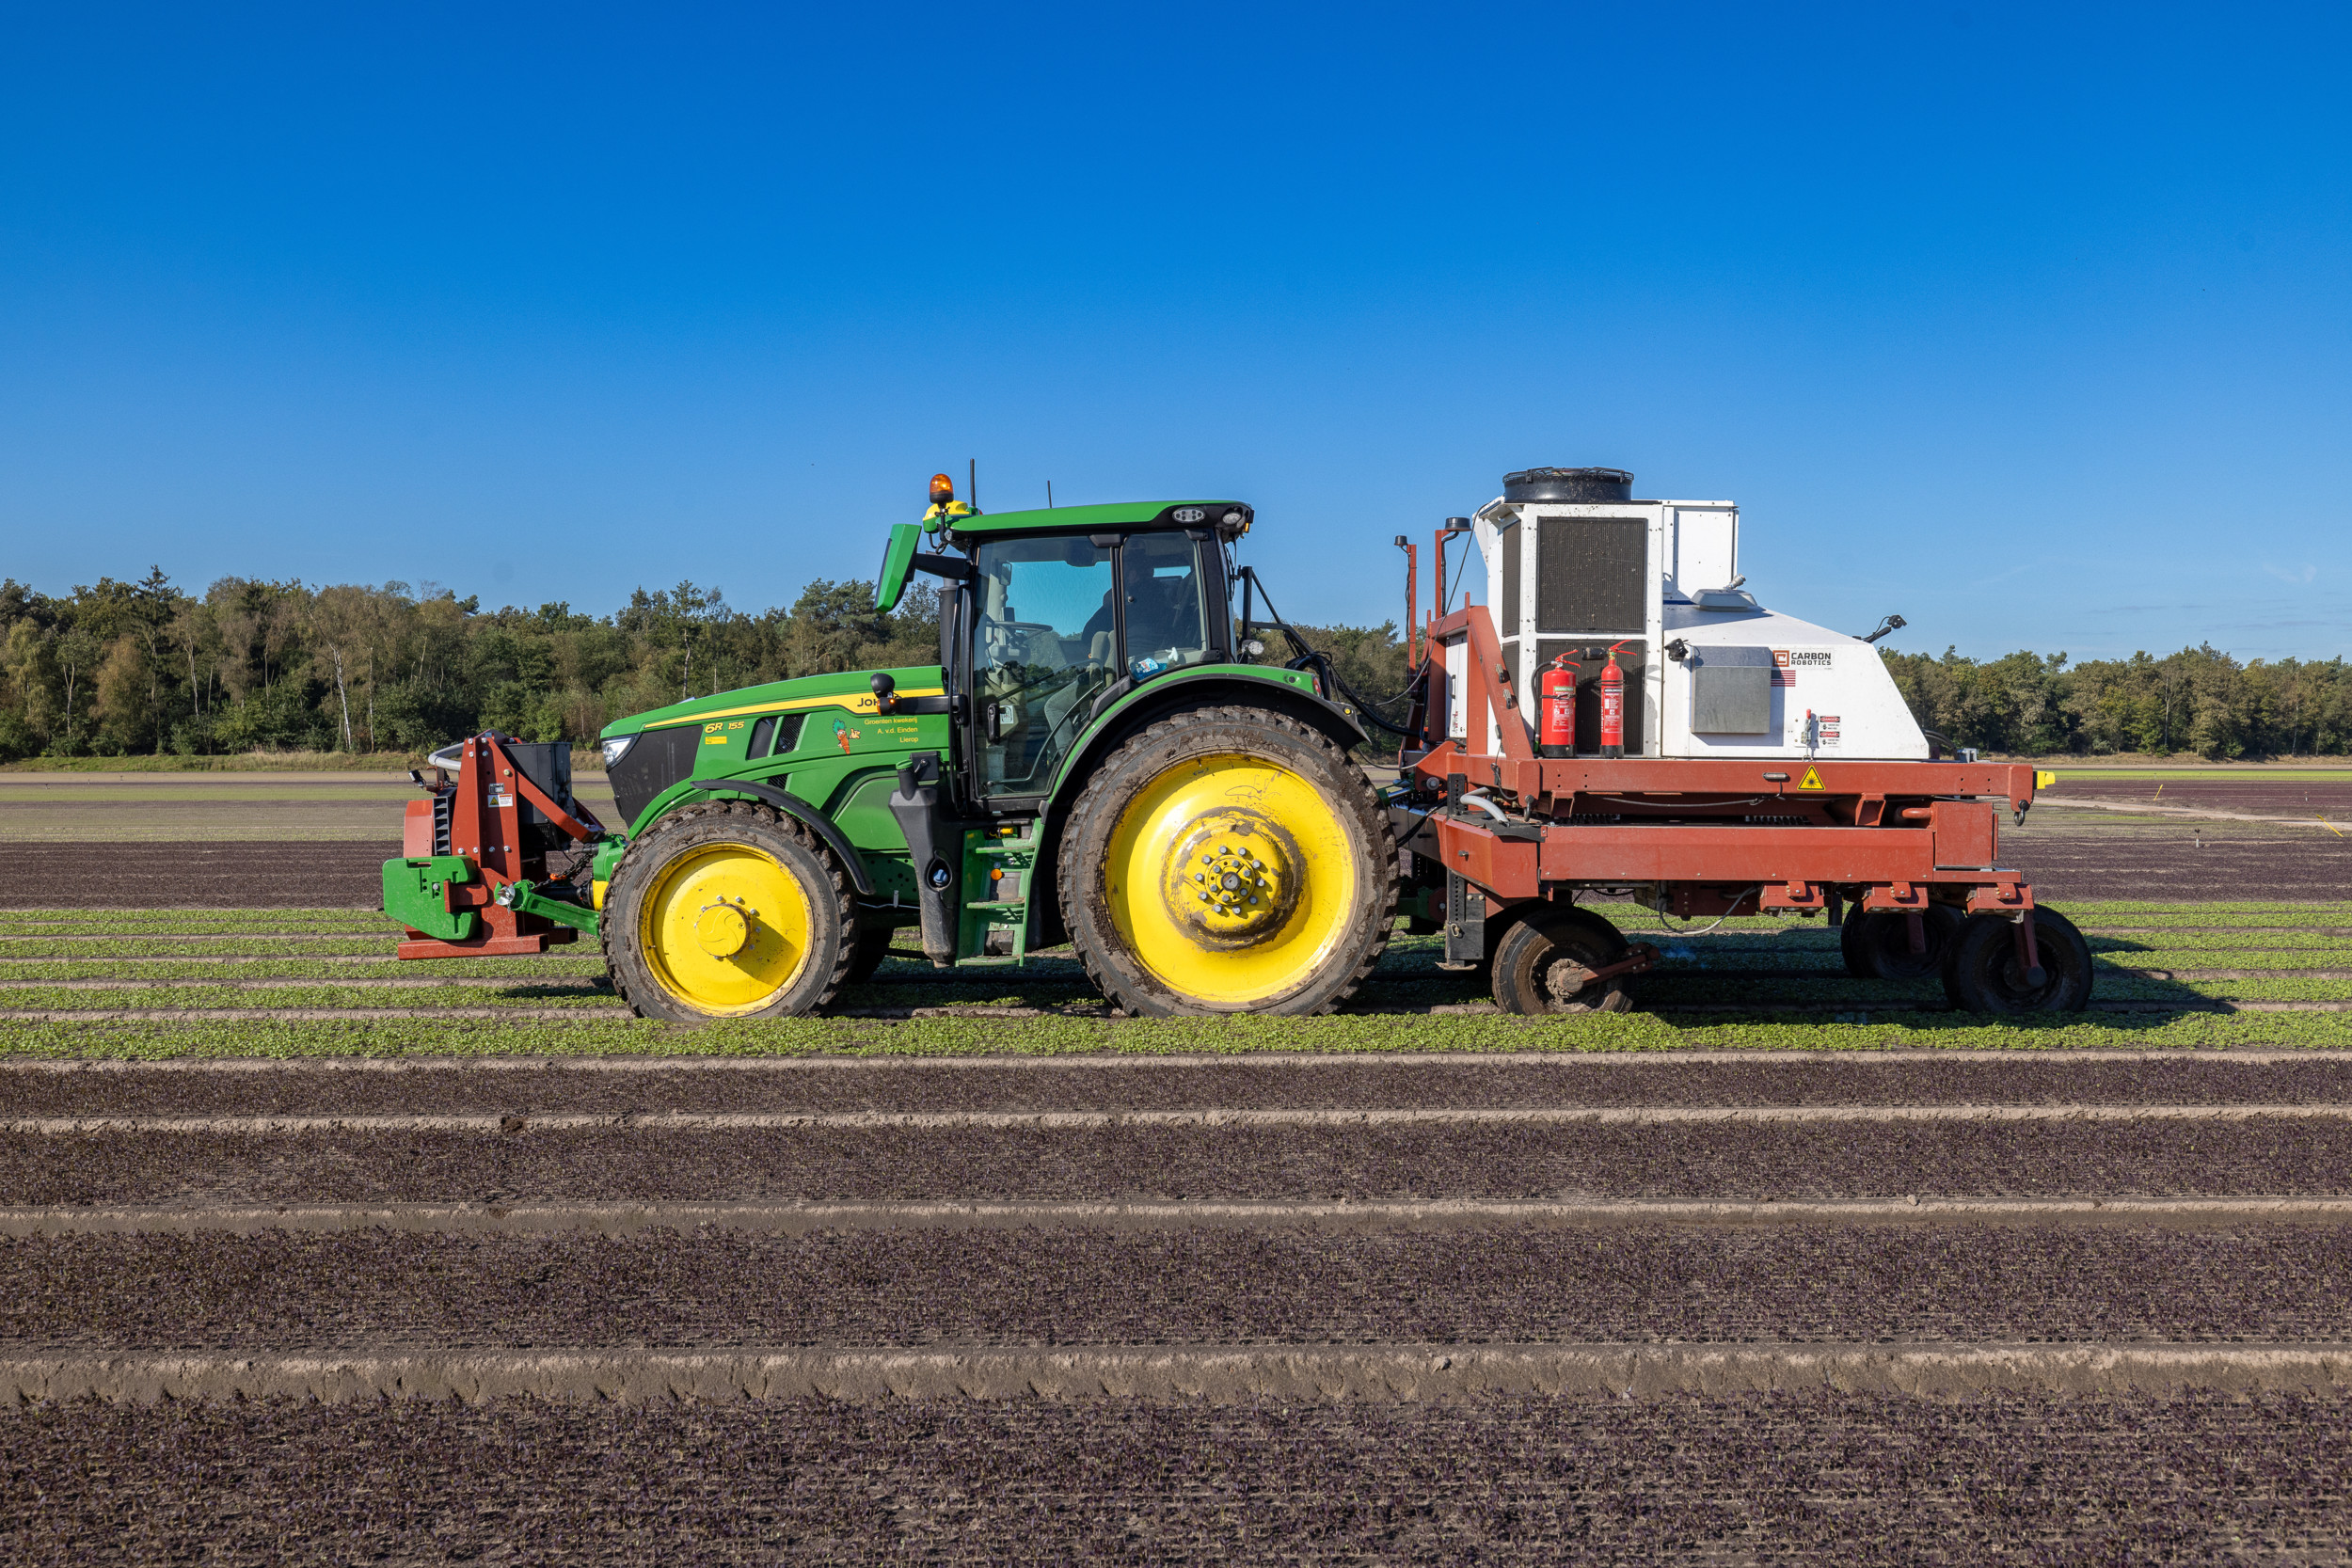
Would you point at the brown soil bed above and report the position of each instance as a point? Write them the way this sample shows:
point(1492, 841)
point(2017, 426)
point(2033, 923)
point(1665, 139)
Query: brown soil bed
point(1819, 1478)
point(2282, 796)
point(463, 1088)
point(225, 875)
point(282, 1293)
point(2275, 1156)
point(2070, 860)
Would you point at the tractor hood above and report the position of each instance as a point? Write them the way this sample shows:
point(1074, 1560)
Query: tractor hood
point(732, 732)
point(853, 690)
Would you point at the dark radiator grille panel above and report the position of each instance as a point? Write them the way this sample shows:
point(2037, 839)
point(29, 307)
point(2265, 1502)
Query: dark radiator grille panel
point(1506, 608)
point(1590, 573)
point(659, 759)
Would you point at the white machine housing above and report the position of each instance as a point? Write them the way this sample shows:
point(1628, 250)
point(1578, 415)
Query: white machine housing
point(1648, 574)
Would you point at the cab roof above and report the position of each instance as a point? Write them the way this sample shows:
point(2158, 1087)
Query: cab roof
point(1229, 518)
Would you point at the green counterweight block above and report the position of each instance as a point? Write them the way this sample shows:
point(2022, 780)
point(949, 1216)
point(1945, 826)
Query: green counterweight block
point(412, 895)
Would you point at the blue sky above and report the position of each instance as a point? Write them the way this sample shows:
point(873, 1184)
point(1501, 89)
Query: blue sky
point(2031, 324)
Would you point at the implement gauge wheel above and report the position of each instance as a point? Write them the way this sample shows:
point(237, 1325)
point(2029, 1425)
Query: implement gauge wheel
point(1982, 972)
point(1227, 859)
point(1877, 942)
point(867, 951)
point(1543, 963)
point(727, 910)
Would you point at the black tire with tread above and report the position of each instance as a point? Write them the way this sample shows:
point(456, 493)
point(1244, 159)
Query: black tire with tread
point(1202, 731)
point(1543, 935)
point(831, 898)
point(868, 951)
point(1981, 969)
point(1877, 943)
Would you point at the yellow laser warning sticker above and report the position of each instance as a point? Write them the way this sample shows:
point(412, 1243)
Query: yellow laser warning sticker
point(1812, 780)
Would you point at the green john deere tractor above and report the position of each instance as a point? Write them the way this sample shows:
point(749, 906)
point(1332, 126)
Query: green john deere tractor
point(1092, 760)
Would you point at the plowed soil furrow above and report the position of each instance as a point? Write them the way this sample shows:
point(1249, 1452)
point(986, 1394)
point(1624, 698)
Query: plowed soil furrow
point(1048, 1083)
point(2068, 859)
point(217, 874)
point(301, 1292)
point(799, 1217)
point(2274, 1155)
point(1854, 1480)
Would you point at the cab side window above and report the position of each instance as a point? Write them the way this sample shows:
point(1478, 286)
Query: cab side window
point(1160, 575)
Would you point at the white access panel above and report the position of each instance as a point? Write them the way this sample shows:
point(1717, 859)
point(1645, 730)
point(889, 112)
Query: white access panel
point(1456, 666)
point(1704, 545)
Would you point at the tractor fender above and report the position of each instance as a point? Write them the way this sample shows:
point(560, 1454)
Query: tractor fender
point(1143, 707)
point(793, 806)
point(1144, 704)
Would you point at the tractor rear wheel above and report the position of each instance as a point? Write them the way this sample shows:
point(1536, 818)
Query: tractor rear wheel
point(1983, 973)
point(727, 910)
point(1877, 942)
point(1545, 961)
point(1227, 859)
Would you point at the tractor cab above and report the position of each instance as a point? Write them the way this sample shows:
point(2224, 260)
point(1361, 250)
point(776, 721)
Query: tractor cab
point(1050, 617)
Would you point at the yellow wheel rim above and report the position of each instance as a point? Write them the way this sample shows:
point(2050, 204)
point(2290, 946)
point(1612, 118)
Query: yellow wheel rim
point(1230, 879)
point(726, 927)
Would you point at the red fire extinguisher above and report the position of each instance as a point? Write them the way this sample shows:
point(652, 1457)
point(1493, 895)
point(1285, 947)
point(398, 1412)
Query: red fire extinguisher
point(1612, 705)
point(1558, 707)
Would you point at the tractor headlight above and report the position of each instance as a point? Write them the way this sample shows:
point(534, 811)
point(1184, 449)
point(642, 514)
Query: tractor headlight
point(616, 748)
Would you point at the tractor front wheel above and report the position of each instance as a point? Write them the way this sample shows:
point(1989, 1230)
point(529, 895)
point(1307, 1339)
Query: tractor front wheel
point(727, 910)
point(1227, 859)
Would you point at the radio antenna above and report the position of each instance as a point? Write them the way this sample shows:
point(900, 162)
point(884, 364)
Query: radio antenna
point(972, 483)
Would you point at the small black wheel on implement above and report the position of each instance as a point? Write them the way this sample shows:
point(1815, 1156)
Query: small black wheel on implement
point(1545, 964)
point(868, 951)
point(1984, 974)
point(727, 910)
point(1877, 943)
point(1227, 859)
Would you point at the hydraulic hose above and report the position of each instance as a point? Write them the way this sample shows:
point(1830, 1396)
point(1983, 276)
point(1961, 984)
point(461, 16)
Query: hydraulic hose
point(1310, 656)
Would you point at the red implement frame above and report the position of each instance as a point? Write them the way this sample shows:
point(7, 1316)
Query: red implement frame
point(1709, 835)
point(486, 827)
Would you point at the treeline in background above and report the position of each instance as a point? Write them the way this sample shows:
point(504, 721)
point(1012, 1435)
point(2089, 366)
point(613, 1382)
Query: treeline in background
point(142, 669)
point(145, 669)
